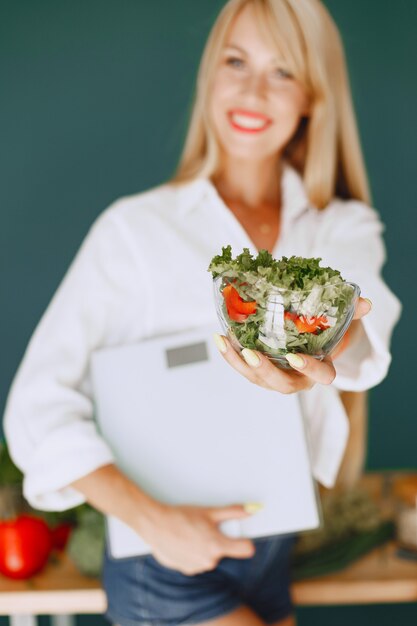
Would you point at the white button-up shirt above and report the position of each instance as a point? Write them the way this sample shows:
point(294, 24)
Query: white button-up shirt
point(142, 271)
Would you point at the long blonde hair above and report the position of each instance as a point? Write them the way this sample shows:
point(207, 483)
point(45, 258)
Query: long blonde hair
point(326, 148)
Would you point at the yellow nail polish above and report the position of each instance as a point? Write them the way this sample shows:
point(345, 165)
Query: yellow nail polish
point(370, 303)
point(253, 507)
point(251, 357)
point(295, 360)
point(220, 343)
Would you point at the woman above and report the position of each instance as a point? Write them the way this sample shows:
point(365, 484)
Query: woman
point(272, 160)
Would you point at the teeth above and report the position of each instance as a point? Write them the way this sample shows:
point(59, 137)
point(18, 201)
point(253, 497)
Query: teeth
point(248, 122)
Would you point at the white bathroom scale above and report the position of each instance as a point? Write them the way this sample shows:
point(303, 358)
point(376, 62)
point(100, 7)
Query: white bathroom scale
point(189, 429)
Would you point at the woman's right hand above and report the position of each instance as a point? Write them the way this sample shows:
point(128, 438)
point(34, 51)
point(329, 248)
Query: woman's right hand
point(187, 538)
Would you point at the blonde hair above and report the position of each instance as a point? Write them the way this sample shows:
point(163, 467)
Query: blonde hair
point(326, 148)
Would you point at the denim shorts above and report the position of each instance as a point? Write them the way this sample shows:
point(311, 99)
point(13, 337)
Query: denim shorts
point(142, 592)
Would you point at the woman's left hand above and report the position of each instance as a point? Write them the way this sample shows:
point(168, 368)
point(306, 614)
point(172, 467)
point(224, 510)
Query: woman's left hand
point(306, 372)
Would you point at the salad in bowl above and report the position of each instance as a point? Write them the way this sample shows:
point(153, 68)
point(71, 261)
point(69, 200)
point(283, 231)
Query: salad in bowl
point(281, 306)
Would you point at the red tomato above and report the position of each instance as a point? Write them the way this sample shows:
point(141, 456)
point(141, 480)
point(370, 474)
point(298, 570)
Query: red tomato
point(25, 545)
point(226, 292)
point(237, 309)
point(236, 316)
point(239, 304)
point(307, 324)
point(60, 535)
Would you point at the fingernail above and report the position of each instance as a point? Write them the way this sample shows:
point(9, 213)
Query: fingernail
point(370, 303)
point(295, 360)
point(220, 343)
point(253, 507)
point(251, 357)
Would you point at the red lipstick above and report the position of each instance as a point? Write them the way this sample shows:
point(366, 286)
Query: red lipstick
point(248, 114)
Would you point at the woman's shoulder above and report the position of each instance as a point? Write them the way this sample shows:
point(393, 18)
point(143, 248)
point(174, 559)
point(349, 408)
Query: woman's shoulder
point(140, 214)
point(349, 223)
point(349, 205)
point(167, 199)
point(142, 202)
point(344, 212)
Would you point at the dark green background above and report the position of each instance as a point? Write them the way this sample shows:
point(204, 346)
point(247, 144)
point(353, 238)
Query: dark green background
point(94, 102)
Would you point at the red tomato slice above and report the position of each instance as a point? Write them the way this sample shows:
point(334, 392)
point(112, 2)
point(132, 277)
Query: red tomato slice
point(305, 327)
point(234, 300)
point(307, 324)
point(236, 316)
point(290, 316)
point(226, 291)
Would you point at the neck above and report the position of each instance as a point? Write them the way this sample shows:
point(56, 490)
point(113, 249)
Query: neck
point(250, 183)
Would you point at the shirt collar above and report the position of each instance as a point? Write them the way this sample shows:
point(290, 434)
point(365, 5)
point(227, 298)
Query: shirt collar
point(294, 197)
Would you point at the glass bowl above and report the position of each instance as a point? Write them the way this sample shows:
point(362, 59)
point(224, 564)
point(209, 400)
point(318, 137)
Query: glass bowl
point(284, 320)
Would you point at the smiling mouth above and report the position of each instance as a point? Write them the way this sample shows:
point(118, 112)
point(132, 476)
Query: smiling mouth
point(248, 121)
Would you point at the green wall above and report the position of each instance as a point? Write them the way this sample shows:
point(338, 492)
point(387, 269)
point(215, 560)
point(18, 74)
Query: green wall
point(94, 102)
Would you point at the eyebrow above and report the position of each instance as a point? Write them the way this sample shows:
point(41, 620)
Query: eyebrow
point(232, 45)
point(243, 51)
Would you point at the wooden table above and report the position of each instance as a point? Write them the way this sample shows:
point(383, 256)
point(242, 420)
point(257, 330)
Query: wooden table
point(378, 577)
point(60, 590)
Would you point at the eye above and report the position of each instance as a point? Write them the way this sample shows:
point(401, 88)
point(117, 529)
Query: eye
point(280, 72)
point(235, 62)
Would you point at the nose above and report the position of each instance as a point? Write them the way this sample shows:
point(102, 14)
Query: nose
point(256, 85)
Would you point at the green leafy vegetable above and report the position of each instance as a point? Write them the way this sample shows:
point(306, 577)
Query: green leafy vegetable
point(291, 273)
point(9, 473)
point(87, 542)
point(310, 300)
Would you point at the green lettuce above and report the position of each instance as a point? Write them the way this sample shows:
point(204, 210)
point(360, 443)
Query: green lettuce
point(255, 279)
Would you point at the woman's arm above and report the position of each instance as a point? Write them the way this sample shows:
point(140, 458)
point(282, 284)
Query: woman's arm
point(351, 239)
point(186, 538)
point(49, 418)
point(111, 492)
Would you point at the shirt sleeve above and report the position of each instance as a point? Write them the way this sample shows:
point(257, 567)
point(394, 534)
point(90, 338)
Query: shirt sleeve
point(49, 421)
point(350, 240)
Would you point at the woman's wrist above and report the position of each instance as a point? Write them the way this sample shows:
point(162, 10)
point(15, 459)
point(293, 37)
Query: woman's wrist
point(147, 514)
point(110, 491)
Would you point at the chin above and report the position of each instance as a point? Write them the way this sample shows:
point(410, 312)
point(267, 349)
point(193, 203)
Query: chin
point(249, 152)
point(248, 148)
